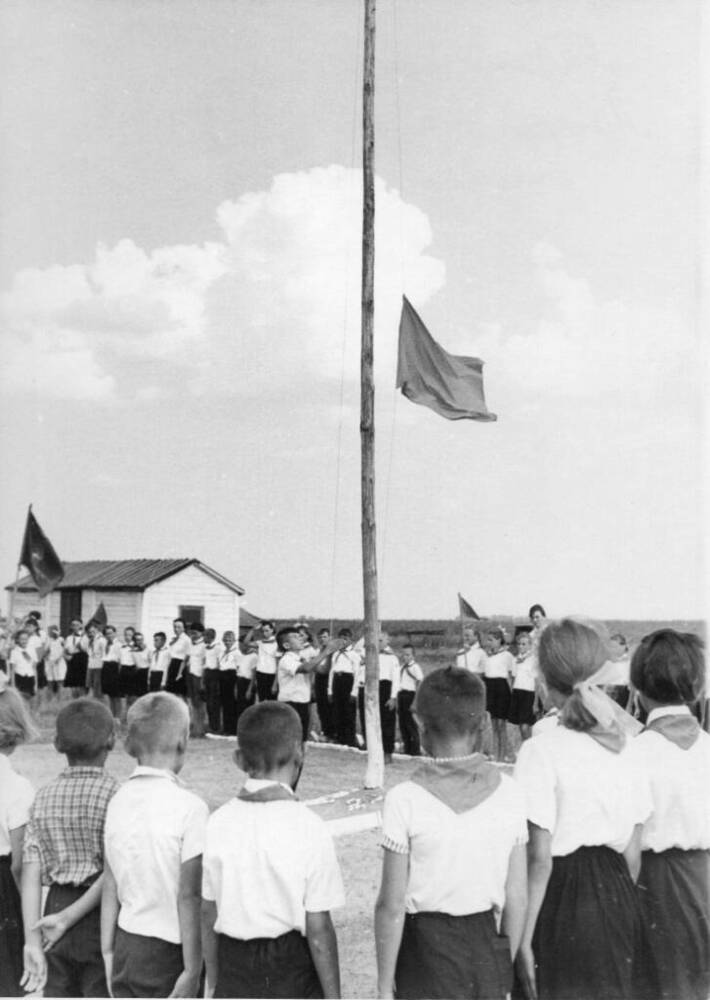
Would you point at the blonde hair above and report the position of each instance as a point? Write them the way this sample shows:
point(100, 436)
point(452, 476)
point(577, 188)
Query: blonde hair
point(157, 723)
point(16, 725)
point(570, 652)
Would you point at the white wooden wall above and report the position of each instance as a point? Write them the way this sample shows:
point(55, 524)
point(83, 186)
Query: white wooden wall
point(191, 586)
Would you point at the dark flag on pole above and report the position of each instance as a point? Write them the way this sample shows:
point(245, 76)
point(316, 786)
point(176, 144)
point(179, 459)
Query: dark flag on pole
point(449, 384)
point(39, 557)
point(466, 611)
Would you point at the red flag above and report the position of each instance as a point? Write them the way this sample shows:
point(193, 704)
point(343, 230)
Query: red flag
point(449, 384)
point(466, 611)
point(38, 556)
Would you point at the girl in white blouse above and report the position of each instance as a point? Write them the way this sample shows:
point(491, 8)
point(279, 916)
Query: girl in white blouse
point(668, 671)
point(585, 807)
point(16, 796)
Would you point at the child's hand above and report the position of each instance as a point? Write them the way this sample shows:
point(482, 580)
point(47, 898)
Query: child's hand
point(391, 704)
point(34, 973)
point(525, 967)
point(186, 984)
point(52, 928)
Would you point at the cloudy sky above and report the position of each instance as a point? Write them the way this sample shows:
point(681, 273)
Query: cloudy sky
point(179, 266)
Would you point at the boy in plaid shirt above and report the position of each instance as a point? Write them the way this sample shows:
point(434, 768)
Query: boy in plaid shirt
point(63, 849)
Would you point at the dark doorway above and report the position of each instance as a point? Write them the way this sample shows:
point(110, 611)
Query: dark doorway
point(69, 609)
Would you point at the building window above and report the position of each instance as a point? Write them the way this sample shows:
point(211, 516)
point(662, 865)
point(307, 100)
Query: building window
point(191, 613)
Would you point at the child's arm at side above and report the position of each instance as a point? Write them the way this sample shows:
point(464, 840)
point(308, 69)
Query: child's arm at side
point(189, 903)
point(389, 918)
point(323, 944)
point(34, 974)
point(54, 926)
point(516, 898)
point(109, 920)
point(539, 870)
point(16, 838)
point(209, 944)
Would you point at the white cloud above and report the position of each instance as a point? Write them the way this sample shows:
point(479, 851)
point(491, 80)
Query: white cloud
point(276, 299)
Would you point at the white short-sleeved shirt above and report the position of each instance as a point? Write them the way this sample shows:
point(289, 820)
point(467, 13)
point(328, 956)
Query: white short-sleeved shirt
point(197, 658)
point(125, 656)
point(345, 661)
point(36, 643)
point(112, 653)
point(680, 787)
point(473, 659)
point(97, 652)
point(525, 674)
point(229, 658)
point(159, 660)
point(75, 644)
point(180, 646)
point(212, 655)
point(410, 677)
point(55, 650)
point(389, 670)
point(23, 662)
point(584, 794)
point(266, 656)
point(614, 673)
point(458, 863)
point(153, 825)
point(267, 864)
point(293, 686)
point(246, 664)
point(500, 664)
point(16, 798)
point(141, 658)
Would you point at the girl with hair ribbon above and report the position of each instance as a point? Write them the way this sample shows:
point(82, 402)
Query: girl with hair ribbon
point(585, 808)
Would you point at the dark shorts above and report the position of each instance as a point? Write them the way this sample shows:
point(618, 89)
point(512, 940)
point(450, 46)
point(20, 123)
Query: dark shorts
point(75, 966)
point(459, 958)
point(521, 712)
point(25, 685)
point(497, 697)
point(109, 679)
point(144, 966)
point(77, 667)
point(266, 967)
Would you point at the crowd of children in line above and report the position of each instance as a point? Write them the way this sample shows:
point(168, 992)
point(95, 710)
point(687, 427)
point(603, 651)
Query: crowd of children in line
point(585, 874)
point(325, 684)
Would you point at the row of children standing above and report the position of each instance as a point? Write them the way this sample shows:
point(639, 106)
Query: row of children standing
point(589, 868)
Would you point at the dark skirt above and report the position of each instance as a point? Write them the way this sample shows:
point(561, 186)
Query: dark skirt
point(266, 967)
point(11, 936)
point(174, 684)
point(155, 680)
point(144, 966)
point(588, 932)
point(674, 888)
point(77, 667)
point(109, 679)
point(521, 712)
point(497, 697)
point(26, 686)
point(460, 958)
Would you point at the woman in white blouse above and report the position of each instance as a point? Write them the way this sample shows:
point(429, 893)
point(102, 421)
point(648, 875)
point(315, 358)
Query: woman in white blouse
point(586, 806)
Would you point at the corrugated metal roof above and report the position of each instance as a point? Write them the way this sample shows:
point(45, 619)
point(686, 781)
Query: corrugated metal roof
point(119, 574)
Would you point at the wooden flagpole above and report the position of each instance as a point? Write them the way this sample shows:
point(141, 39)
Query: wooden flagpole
point(375, 774)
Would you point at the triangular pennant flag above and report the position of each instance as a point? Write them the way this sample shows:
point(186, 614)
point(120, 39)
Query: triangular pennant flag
point(99, 616)
point(450, 385)
point(466, 611)
point(38, 556)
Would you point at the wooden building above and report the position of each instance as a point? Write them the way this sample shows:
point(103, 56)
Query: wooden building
point(145, 593)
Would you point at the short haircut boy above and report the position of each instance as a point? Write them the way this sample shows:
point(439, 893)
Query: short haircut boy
point(84, 729)
point(160, 635)
point(451, 701)
point(157, 723)
point(269, 736)
point(669, 667)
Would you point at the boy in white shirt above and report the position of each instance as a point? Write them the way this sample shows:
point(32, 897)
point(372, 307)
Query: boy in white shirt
point(159, 662)
point(195, 674)
point(96, 648)
point(454, 839)
point(150, 916)
point(267, 653)
point(294, 673)
point(471, 656)
point(268, 892)
point(410, 677)
point(23, 666)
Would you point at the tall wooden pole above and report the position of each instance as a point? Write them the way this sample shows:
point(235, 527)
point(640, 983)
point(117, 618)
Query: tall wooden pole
point(374, 777)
